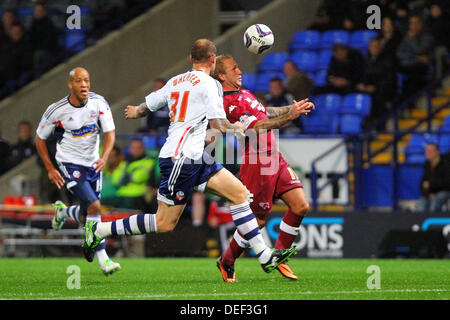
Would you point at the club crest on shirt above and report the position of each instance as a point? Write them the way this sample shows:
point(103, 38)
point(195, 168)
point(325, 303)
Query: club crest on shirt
point(180, 195)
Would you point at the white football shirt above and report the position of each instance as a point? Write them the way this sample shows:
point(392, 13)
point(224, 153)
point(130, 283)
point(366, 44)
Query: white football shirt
point(77, 128)
point(193, 98)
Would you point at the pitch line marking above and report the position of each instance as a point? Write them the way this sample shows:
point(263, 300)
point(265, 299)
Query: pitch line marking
point(191, 295)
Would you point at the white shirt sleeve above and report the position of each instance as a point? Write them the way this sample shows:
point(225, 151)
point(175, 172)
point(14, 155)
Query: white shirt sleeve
point(157, 99)
point(214, 101)
point(46, 127)
point(106, 117)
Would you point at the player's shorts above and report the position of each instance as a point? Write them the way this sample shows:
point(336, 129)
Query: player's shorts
point(268, 182)
point(179, 177)
point(83, 182)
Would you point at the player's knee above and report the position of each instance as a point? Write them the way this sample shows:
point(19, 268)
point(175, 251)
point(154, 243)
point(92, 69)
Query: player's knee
point(300, 208)
point(240, 195)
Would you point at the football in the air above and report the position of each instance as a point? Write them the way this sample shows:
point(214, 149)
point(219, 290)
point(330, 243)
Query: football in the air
point(258, 38)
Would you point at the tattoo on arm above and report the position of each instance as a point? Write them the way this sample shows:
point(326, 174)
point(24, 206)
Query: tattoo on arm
point(272, 123)
point(273, 112)
point(143, 110)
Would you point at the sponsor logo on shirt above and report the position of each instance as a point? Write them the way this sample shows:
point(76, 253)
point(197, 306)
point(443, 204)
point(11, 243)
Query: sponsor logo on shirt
point(84, 131)
point(264, 205)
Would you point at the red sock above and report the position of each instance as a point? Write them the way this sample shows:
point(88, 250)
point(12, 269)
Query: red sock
point(232, 253)
point(286, 237)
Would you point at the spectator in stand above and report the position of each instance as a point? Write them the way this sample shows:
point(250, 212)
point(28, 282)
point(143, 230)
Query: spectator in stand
point(414, 55)
point(8, 19)
point(390, 38)
point(438, 25)
point(297, 82)
point(157, 122)
point(106, 12)
point(401, 11)
point(19, 55)
point(111, 174)
point(330, 15)
point(278, 96)
point(132, 180)
point(379, 80)
point(435, 183)
point(345, 69)
point(25, 147)
point(44, 39)
point(5, 155)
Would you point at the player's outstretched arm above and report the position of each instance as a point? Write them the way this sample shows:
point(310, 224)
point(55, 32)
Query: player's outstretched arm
point(297, 109)
point(273, 112)
point(136, 112)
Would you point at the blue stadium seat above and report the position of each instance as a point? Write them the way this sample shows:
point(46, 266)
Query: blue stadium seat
point(149, 142)
point(75, 40)
point(357, 103)
point(304, 60)
point(360, 39)
point(273, 62)
point(323, 59)
point(350, 123)
point(327, 103)
point(330, 37)
point(320, 78)
point(444, 143)
point(305, 40)
point(414, 158)
point(24, 12)
point(445, 125)
point(249, 81)
point(414, 152)
point(320, 123)
point(263, 79)
point(416, 144)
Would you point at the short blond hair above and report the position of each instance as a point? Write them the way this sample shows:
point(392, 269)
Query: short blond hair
point(220, 66)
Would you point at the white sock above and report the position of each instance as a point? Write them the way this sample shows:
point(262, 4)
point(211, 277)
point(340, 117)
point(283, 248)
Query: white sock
point(247, 225)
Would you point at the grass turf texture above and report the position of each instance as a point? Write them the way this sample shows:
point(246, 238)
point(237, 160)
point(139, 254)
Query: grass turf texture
point(199, 278)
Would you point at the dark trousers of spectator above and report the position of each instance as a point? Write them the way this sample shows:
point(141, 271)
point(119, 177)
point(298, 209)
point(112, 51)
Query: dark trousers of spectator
point(381, 105)
point(416, 79)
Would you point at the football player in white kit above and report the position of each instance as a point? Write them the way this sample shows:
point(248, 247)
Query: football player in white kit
point(195, 99)
point(77, 121)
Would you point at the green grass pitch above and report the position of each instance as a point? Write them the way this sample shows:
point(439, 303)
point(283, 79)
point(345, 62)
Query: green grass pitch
point(199, 279)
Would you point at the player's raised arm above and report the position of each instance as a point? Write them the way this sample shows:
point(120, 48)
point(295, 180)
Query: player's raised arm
point(293, 112)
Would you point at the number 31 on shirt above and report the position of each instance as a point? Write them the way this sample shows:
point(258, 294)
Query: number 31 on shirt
point(178, 108)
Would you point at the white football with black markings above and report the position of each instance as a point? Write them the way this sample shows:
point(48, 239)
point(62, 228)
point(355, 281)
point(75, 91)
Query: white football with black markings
point(258, 38)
